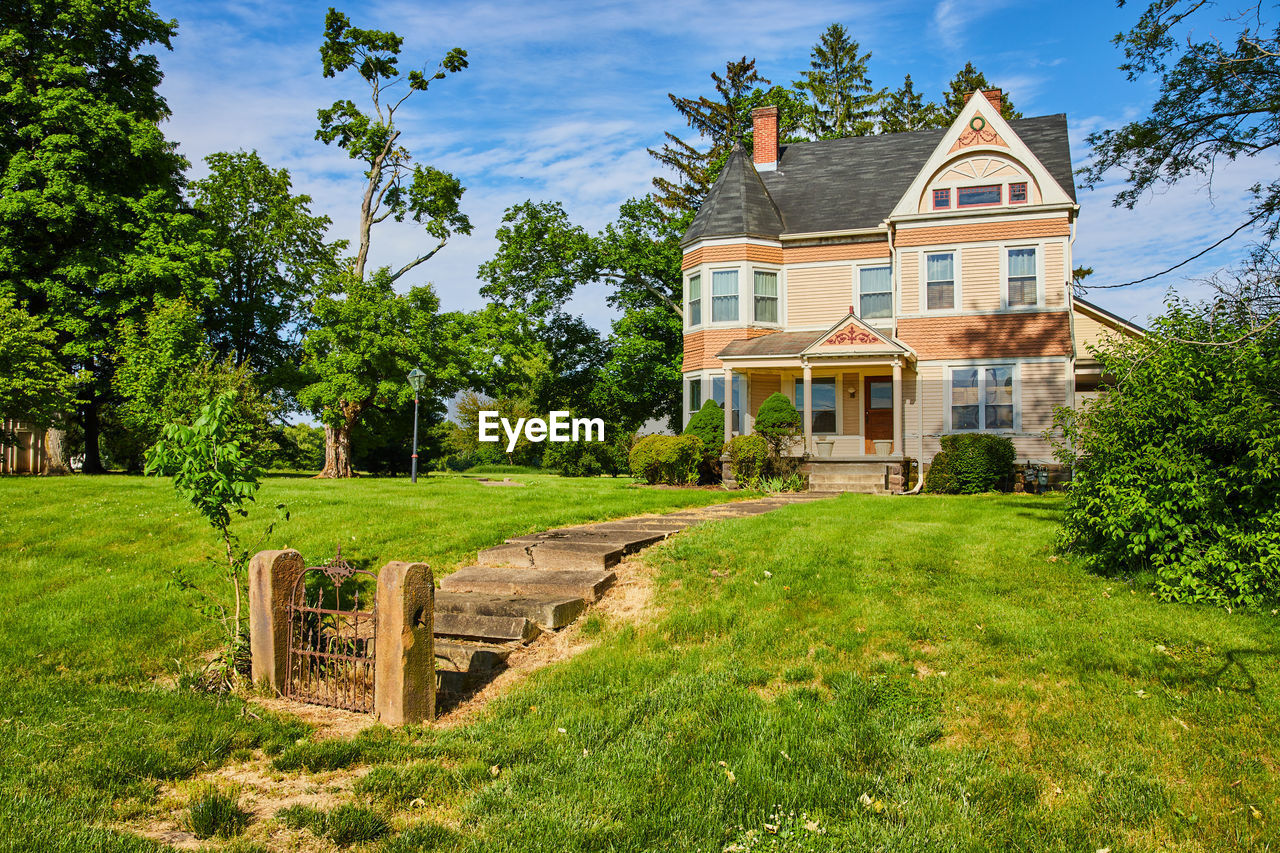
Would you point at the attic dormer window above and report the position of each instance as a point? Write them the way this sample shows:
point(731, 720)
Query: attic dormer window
point(941, 199)
point(978, 196)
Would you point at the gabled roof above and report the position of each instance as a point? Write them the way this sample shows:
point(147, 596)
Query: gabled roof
point(738, 204)
point(849, 337)
point(846, 184)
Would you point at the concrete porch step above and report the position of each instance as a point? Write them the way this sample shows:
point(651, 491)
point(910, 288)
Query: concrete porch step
point(550, 613)
point(499, 580)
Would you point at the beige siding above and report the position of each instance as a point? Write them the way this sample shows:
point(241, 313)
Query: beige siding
point(1055, 275)
point(909, 281)
point(762, 385)
point(1089, 332)
point(980, 272)
point(852, 406)
point(818, 296)
point(1044, 388)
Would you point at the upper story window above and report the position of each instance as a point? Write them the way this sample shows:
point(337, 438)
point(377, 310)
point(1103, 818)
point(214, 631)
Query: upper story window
point(875, 293)
point(941, 199)
point(1023, 287)
point(982, 398)
point(940, 281)
point(695, 300)
point(724, 296)
point(1018, 193)
point(766, 293)
point(978, 196)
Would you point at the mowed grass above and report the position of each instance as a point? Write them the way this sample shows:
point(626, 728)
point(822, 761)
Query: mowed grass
point(899, 674)
point(92, 619)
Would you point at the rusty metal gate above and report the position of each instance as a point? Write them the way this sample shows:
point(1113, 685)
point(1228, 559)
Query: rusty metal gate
point(332, 640)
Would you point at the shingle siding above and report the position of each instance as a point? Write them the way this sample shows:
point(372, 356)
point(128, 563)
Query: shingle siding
point(988, 335)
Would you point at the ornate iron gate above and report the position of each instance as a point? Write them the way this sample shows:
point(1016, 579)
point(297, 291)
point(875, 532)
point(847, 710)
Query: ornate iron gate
point(332, 641)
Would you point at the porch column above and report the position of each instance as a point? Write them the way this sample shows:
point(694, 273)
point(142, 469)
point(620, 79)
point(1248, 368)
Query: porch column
point(807, 414)
point(728, 403)
point(897, 407)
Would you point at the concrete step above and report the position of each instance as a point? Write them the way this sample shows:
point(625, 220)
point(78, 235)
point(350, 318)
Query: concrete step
point(817, 481)
point(554, 554)
point(456, 656)
point(498, 580)
point(550, 613)
point(473, 626)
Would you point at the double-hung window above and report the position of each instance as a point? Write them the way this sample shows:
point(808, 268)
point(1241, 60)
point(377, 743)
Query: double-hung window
point(824, 404)
point(1022, 277)
point(766, 306)
point(940, 281)
point(695, 300)
point(982, 398)
point(875, 293)
point(724, 296)
point(695, 395)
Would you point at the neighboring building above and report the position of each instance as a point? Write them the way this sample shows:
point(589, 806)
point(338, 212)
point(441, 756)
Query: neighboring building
point(896, 288)
point(24, 455)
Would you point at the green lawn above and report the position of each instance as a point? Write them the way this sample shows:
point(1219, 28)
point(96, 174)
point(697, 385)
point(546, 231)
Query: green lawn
point(858, 674)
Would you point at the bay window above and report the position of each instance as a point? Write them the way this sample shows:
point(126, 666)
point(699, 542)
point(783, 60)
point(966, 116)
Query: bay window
point(724, 296)
point(766, 292)
point(695, 300)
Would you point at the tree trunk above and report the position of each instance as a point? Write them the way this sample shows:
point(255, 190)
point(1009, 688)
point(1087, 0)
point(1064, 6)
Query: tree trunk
point(55, 452)
point(92, 430)
point(337, 451)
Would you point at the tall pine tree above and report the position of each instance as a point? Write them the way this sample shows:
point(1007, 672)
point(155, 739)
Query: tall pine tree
point(841, 98)
point(905, 109)
point(722, 121)
point(966, 81)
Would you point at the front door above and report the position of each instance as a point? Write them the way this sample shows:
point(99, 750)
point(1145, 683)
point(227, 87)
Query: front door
point(878, 411)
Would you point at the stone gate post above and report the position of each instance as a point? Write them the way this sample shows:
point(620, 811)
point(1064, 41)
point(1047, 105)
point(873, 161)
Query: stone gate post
point(272, 575)
point(404, 689)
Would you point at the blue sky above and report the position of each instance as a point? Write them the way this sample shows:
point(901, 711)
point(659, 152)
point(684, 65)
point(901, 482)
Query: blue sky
point(562, 99)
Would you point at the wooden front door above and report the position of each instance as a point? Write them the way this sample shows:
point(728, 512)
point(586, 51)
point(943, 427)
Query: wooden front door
point(877, 404)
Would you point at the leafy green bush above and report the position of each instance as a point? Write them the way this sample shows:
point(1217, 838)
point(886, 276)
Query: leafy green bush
point(708, 424)
point(749, 455)
point(1177, 476)
point(669, 459)
point(971, 463)
point(778, 421)
point(589, 458)
point(214, 812)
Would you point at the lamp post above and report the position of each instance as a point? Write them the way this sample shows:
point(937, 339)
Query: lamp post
point(417, 381)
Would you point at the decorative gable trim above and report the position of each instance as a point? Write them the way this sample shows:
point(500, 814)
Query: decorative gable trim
point(852, 335)
point(979, 127)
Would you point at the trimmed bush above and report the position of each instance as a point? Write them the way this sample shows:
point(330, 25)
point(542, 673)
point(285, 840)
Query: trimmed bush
point(749, 455)
point(970, 463)
point(669, 459)
point(778, 420)
point(708, 424)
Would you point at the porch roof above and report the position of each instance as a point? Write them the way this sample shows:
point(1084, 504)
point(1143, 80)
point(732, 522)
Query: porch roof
point(850, 339)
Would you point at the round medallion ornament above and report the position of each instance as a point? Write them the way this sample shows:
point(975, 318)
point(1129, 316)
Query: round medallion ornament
point(977, 123)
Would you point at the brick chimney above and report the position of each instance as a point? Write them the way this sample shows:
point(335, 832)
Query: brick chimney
point(764, 125)
point(995, 96)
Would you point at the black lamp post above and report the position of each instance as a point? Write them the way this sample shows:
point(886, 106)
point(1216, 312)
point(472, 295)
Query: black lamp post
point(417, 381)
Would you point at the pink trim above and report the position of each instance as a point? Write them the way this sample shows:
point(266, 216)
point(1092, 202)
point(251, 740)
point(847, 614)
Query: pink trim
point(1022, 184)
point(946, 206)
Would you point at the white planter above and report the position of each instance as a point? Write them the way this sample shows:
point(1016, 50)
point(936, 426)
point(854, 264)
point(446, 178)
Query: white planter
point(825, 446)
point(883, 448)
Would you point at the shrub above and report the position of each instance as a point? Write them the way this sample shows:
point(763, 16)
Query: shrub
point(589, 458)
point(1176, 474)
point(669, 459)
point(971, 463)
point(708, 424)
point(214, 812)
point(749, 455)
point(778, 423)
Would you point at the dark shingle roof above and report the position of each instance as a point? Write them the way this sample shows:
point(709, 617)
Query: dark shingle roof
point(845, 184)
point(737, 203)
point(779, 343)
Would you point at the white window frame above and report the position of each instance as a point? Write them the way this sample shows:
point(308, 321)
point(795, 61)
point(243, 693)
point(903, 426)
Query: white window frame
point(957, 270)
point(981, 367)
point(708, 299)
point(702, 299)
point(777, 272)
point(1005, 249)
point(856, 301)
point(792, 377)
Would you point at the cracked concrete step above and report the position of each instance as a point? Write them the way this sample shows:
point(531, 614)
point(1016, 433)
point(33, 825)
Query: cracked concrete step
point(550, 613)
point(497, 580)
point(475, 626)
point(553, 554)
point(457, 656)
point(630, 539)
